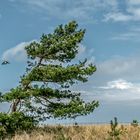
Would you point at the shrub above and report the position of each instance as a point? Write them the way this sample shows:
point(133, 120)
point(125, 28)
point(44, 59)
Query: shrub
point(16, 121)
point(135, 123)
point(115, 132)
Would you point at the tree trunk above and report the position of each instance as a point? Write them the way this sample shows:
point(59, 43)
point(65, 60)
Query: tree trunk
point(15, 104)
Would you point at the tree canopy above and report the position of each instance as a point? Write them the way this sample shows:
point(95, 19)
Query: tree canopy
point(44, 89)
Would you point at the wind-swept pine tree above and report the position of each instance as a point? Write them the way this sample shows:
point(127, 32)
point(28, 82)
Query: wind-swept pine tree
point(44, 89)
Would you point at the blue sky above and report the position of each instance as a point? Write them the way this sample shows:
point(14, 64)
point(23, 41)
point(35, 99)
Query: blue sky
point(112, 42)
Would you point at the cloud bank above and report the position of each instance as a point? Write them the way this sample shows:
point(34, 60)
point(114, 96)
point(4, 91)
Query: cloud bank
point(62, 9)
point(130, 13)
point(116, 80)
point(111, 10)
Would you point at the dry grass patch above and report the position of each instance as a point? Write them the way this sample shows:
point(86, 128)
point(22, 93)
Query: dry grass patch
point(87, 132)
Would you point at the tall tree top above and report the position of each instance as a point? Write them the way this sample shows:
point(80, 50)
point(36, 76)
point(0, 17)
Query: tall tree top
point(61, 45)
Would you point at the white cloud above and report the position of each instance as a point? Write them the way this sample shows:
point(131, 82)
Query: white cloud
point(129, 12)
point(118, 84)
point(117, 16)
point(16, 53)
point(119, 90)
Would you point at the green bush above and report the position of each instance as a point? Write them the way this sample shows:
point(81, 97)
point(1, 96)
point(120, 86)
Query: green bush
point(16, 121)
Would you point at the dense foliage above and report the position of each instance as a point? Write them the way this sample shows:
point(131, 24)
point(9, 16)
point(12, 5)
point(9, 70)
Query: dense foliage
point(15, 121)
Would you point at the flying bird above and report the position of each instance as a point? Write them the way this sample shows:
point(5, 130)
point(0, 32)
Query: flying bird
point(5, 62)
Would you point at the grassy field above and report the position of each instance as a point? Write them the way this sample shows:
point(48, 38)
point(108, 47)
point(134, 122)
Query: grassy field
point(87, 132)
